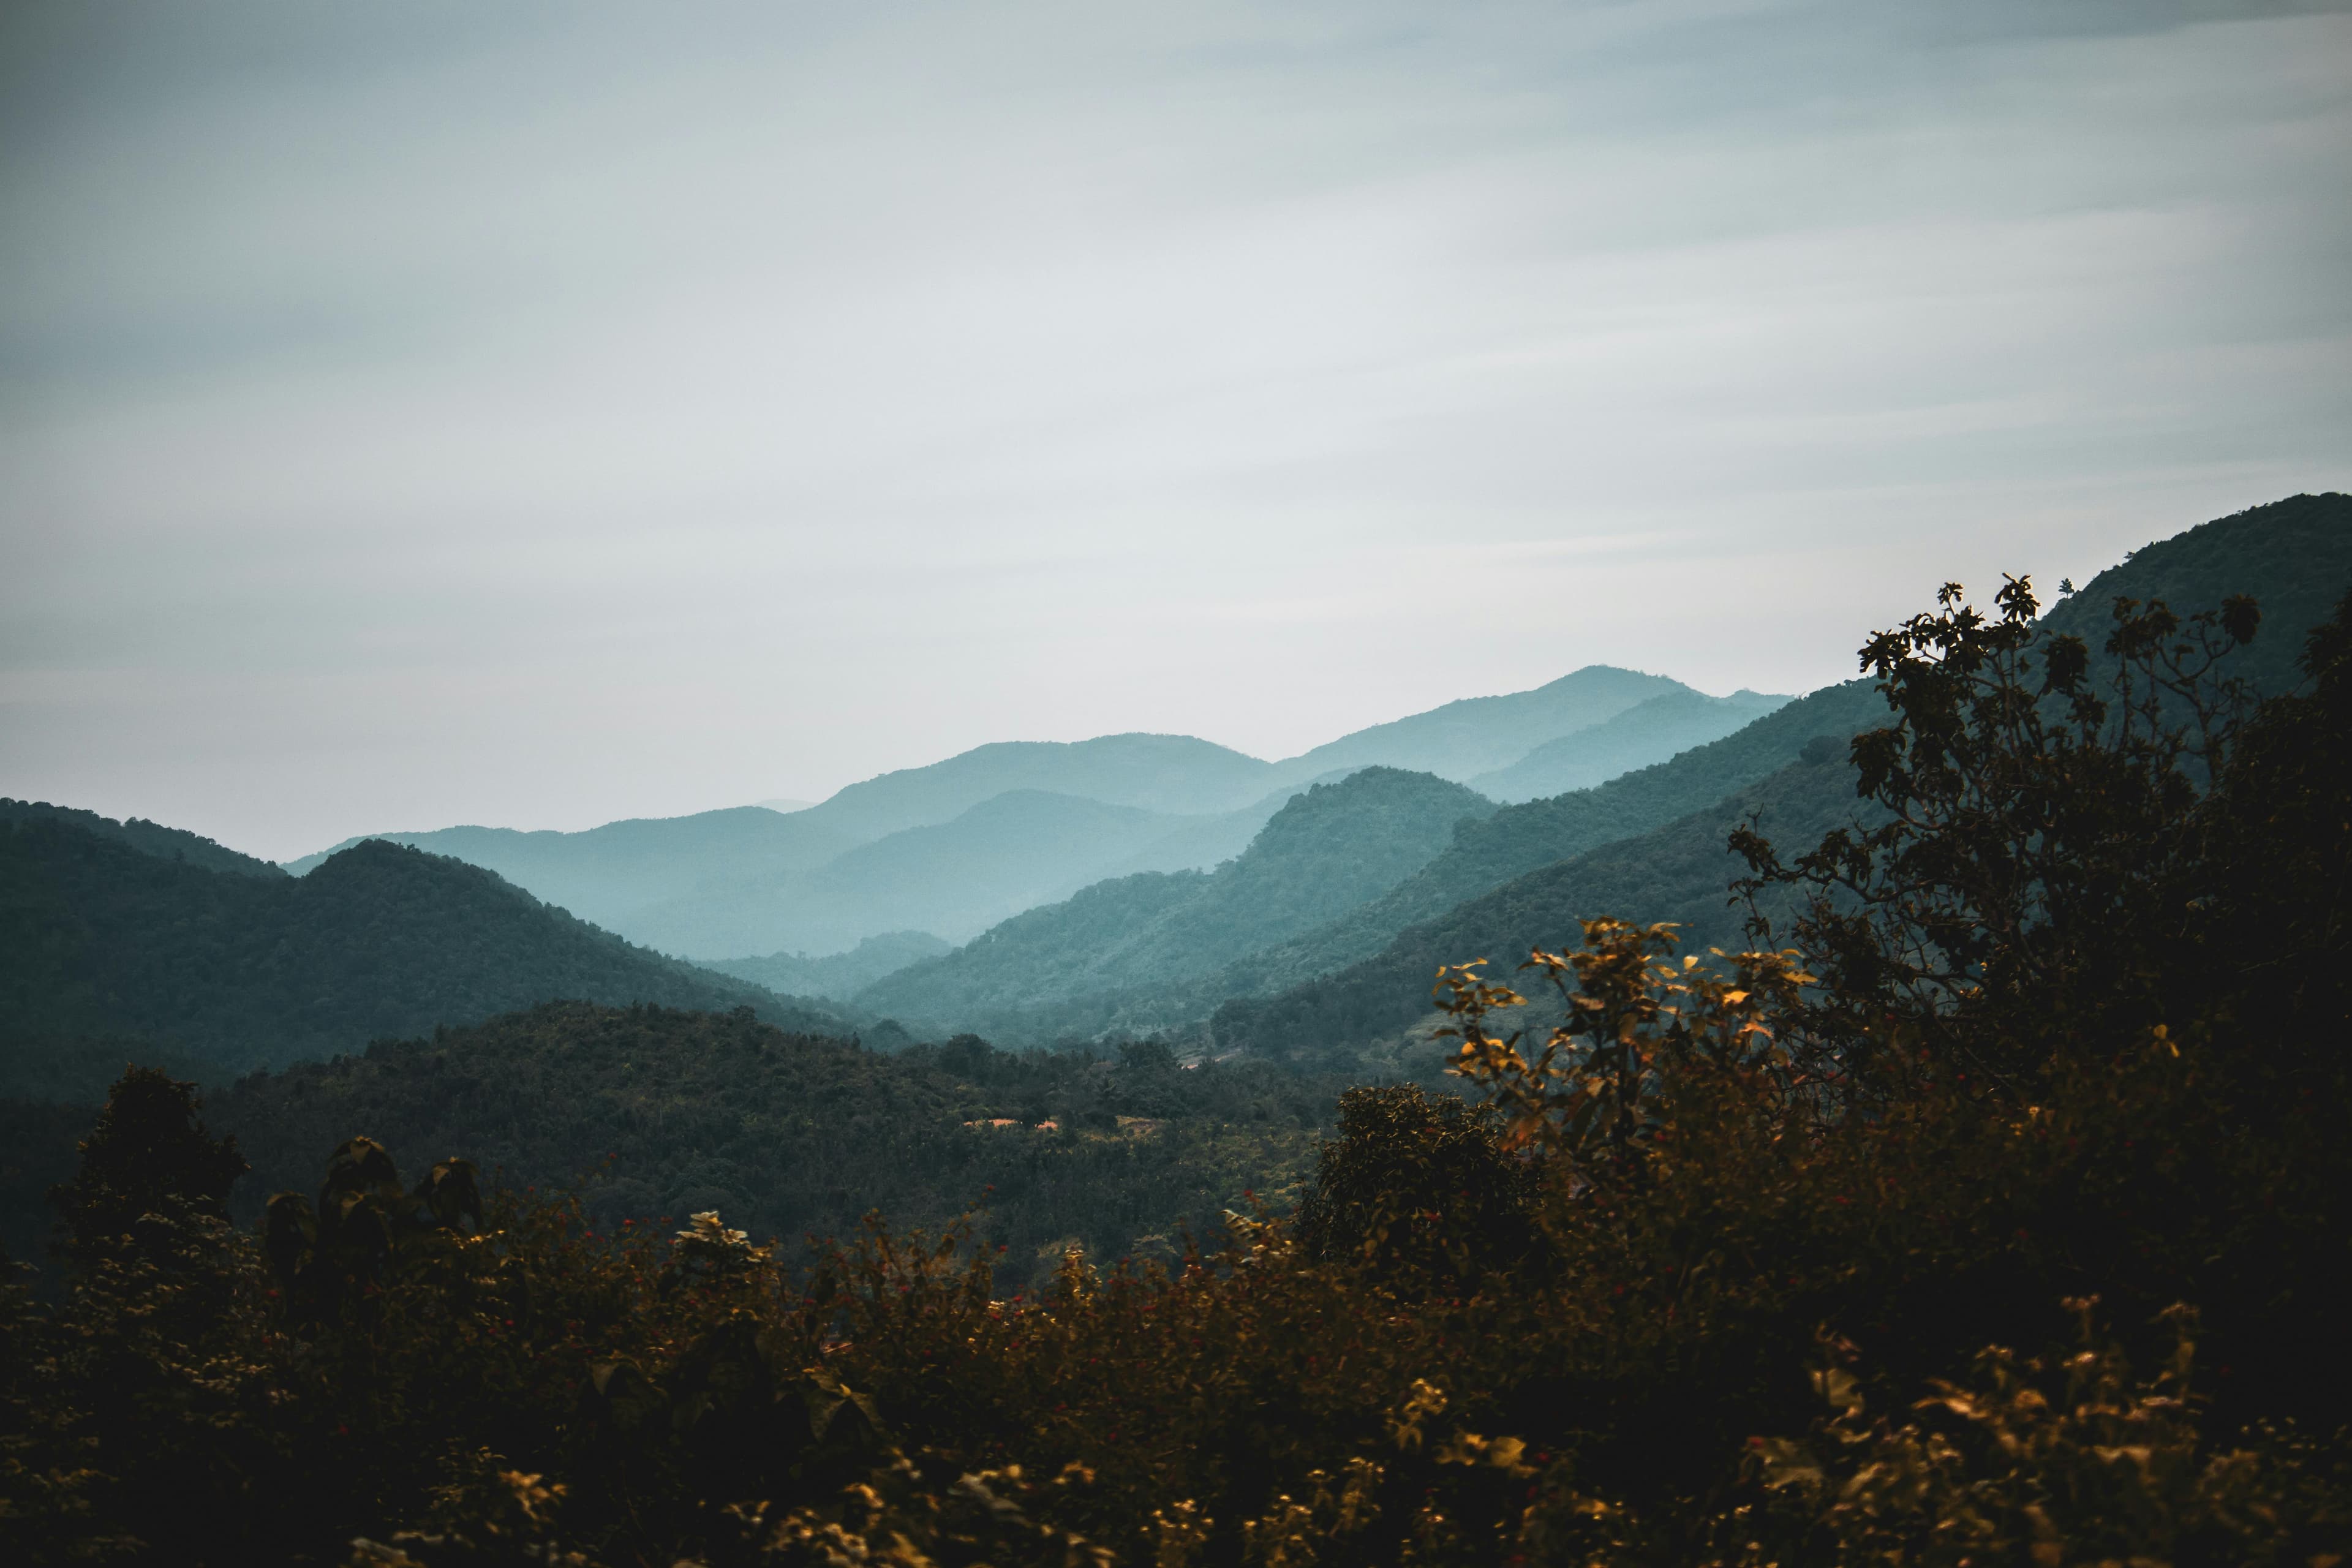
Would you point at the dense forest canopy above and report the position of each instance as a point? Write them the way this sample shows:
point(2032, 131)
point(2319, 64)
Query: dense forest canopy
point(650, 1113)
point(147, 838)
point(1370, 1012)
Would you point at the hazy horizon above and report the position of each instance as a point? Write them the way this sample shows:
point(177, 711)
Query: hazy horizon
point(788, 804)
point(540, 415)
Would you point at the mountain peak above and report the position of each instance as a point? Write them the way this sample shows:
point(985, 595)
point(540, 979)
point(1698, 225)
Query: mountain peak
point(1476, 734)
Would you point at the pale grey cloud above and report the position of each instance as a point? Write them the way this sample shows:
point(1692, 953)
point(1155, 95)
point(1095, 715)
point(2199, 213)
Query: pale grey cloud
point(538, 414)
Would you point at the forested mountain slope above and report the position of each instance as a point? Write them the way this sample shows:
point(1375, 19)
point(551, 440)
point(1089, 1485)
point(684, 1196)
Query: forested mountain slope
point(112, 950)
point(1204, 843)
point(147, 838)
point(667, 1113)
point(2294, 556)
point(1517, 839)
point(1481, 853)
point(1649, 732)
point(1000, 983)
point(1680, 872)
point(1328, 849)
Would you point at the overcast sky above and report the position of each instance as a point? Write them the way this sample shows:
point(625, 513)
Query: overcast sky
point(413, 415)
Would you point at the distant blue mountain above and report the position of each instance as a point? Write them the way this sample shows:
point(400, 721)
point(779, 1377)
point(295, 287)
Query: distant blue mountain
point(838, 976)
point(1328, 849)
point(925, 849)
point(1479, 734)
point(606, 874)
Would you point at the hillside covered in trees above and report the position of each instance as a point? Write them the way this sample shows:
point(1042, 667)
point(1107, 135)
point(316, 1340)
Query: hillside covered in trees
point(1678, 873)
point(1653, 845)
point(1330, 848)
point(116, 952)
point(1988, 1209)
point(147, 838)
point(658, 1114)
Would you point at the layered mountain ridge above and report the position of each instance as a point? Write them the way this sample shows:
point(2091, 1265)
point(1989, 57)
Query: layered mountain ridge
point(117, 952)
point(724, 885)
point(1302, 924)
point(2293, 557)
point(1330, 849)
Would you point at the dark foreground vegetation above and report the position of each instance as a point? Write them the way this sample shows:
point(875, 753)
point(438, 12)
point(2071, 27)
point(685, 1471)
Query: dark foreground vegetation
point(658, 1113)
point(1992, 1211)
